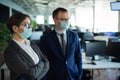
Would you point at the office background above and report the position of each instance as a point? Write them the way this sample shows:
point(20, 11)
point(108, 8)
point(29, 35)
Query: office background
point(93, 15)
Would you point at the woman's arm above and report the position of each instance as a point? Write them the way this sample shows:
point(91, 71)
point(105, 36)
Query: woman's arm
point(18, 66)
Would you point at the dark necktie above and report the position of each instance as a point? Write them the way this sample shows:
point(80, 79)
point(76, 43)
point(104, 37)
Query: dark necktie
point(63, 43)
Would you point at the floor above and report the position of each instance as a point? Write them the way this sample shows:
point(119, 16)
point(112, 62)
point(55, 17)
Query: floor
point(101, 74)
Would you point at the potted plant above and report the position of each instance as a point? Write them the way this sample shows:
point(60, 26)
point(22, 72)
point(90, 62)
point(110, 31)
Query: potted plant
point(4, 38)
point(34, 25)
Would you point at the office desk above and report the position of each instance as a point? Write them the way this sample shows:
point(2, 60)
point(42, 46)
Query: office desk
point(102, 64)
point(103, 68)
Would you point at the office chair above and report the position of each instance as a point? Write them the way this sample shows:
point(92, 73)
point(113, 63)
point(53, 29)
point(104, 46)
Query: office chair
point(88, 36)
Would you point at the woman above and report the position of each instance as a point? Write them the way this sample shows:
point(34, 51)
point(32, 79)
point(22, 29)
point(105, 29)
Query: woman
point(23, 58)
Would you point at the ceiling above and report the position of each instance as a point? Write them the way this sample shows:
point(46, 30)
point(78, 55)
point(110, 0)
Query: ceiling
point(37, 7)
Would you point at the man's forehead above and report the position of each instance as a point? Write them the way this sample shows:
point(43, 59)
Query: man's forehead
point(63, 14)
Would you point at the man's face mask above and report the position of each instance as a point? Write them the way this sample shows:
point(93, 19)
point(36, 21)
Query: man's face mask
point(64, 25)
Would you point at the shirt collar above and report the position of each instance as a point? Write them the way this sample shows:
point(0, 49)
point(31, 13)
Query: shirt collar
point(59, 32)
point(27, 42)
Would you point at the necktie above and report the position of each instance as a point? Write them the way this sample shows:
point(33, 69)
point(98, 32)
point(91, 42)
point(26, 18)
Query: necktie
point(63, 43)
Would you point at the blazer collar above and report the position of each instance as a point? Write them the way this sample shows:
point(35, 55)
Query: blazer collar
point(20, 50)
point(56, 41)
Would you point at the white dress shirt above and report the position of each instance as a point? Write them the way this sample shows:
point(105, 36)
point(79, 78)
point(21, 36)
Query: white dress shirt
point(28, 49)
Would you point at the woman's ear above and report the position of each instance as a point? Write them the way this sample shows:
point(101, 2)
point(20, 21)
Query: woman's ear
point(15, 28)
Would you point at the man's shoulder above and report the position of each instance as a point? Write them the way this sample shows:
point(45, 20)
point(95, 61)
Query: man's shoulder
point(71, 32)
point(47, 35)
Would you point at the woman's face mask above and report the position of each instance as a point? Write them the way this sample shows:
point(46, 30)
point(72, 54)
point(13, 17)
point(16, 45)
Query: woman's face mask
point(26, 33)
point(64, 25)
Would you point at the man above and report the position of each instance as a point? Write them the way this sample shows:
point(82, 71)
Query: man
point(65, 59)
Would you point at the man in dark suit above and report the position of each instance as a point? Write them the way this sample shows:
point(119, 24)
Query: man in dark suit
point(64, 55)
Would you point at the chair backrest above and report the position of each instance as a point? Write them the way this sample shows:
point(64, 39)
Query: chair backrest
point(88, 36)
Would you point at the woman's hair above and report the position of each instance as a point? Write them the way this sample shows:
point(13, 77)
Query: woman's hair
point(16, 20)
point(56, 11)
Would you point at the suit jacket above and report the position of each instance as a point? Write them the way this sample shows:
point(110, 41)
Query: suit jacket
point(22, 66)
point(60, 65)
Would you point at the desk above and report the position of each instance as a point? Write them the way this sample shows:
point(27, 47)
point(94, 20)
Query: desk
point(102, 64)
point(105, 67)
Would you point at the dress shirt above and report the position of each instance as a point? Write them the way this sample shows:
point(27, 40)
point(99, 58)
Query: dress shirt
point(28, 49)
point(59, 37)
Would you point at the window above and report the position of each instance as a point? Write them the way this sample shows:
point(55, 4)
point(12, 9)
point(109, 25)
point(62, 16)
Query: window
point(84, 17)
point(50, 20)
point(105, 19)
point(40, 19)
point(99, 18)
point(72, 20)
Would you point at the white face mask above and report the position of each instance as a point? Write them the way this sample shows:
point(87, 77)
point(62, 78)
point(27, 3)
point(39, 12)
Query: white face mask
point(64, 25)
point(26, 33)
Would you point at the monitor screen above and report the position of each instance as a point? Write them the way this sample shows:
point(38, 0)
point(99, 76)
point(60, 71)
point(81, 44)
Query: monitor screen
point(95, 48)
point(36, 35)
point(115, 6)
point(111, 34)
point(113, 49)
point(114, 39)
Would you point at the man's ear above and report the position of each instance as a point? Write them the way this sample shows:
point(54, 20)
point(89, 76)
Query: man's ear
point(54, 19)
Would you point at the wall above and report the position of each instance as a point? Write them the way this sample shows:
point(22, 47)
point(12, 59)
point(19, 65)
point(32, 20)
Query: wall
point(16, 7)
point(4, 14)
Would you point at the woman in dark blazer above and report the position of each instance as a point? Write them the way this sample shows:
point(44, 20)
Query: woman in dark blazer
point(23, 58)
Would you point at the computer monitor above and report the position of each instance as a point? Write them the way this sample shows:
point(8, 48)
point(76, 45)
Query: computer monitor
point(113, 49)
point(36, 35)
point(115, 6)
point(95, 48)
point(114, 39)
point(111, 34)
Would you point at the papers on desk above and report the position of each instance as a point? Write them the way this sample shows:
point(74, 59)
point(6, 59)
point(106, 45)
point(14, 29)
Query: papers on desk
point(84, 61)
point(88, 62)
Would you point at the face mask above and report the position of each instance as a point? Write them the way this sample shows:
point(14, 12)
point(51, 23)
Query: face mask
point(64, 25)
point(26, 33)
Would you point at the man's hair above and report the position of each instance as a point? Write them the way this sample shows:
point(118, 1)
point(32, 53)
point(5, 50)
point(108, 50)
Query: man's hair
point(56, 11)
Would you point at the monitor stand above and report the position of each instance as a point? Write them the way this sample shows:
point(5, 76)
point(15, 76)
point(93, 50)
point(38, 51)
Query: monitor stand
point(115, 59)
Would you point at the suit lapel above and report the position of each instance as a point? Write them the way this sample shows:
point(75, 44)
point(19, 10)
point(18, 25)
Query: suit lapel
point(56, 41)
point(69, 43)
